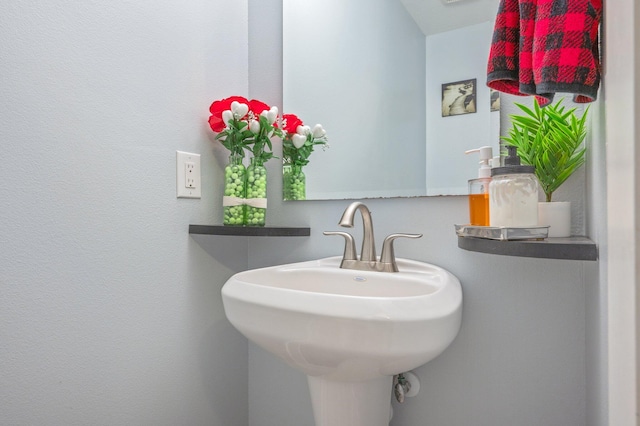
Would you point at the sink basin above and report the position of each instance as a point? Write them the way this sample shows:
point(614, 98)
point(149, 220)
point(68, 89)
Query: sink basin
point(350, 331)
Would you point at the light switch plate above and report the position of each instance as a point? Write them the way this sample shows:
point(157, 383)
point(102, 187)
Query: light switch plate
point(188, 180)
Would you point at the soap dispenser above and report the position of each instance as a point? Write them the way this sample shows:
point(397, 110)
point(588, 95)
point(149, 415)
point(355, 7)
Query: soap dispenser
point(479, 189)
point(513, 193)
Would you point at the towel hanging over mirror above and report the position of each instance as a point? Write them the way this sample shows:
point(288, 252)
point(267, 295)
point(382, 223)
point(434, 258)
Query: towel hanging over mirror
point(543, 47)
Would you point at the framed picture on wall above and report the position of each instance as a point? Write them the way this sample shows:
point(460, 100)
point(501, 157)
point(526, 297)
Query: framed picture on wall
point(495, 100)
point(459, 98)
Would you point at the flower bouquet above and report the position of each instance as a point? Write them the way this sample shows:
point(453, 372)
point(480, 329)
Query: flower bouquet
point(242, 125)
point(297, 145)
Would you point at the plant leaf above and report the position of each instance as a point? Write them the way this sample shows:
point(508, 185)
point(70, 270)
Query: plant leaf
point(550, 139)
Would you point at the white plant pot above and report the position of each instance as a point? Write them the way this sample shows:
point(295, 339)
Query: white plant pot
point(556, 215)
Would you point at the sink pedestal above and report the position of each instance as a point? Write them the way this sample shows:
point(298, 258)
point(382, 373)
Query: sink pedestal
point(363, 403)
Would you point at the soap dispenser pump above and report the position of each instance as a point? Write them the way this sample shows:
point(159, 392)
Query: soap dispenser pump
point(479, 188)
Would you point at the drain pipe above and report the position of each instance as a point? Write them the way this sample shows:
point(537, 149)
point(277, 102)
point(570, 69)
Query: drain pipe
point(404, 385)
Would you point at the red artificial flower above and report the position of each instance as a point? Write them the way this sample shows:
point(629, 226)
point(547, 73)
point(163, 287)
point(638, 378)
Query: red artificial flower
point(216, 109)
point(257, 107)
point(292, 122)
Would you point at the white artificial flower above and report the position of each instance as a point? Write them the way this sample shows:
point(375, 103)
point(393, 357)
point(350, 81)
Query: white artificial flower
point(271, 115)
point(239, 110)
point(298, 140)
point(254, 126)
point(318, 131)
point(226, 116)
point(303, 130)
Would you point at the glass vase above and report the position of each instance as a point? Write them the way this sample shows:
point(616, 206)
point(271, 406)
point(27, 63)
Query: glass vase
point(234, 191)
point(256, 194)
point(294, 183)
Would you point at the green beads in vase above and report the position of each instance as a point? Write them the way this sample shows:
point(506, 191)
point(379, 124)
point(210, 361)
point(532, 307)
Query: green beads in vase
point(234, 191)
point(294, 183)
point(256, 193)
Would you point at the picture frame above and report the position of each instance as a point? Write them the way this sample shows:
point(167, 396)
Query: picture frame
point(459, 97)
point(494, 100)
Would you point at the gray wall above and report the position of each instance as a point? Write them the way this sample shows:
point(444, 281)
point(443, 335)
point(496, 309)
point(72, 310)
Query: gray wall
point(531, 350)
point(110, 314)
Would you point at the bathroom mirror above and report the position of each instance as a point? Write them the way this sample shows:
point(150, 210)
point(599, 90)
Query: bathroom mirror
point(379, 75)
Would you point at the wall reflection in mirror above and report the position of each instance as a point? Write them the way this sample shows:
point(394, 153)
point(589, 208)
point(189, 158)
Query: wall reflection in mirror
point(374, 73)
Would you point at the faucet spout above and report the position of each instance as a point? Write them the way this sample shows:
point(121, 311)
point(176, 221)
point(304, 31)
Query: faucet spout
point(368, 252)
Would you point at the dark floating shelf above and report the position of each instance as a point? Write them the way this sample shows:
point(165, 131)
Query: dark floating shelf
point(250, 231)
point(571, 248)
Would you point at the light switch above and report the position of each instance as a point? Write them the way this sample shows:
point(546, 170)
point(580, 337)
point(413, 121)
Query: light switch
point(188, 179)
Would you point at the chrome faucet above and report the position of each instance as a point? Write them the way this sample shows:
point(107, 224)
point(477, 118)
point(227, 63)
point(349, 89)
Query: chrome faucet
point(368, 260)
point(368, 252)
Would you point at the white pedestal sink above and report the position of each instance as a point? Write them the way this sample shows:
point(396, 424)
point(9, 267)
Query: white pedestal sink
point(349, 331)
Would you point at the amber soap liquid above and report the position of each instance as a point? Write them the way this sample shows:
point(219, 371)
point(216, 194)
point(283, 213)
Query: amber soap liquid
point(479, 209)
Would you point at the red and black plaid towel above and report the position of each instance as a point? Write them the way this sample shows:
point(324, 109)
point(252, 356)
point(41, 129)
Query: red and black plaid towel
point(542, 47)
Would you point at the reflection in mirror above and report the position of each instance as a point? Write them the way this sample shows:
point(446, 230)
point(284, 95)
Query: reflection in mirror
point(338, 55)
point(454, 54)
point(372, 73)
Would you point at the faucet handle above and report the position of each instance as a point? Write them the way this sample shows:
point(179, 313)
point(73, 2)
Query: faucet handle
point(349, 244)
point(388, 257)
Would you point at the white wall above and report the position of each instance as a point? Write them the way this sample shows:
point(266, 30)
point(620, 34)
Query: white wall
point(595, 273)
point(110, 313)
point(622, 70)
point(530, 348)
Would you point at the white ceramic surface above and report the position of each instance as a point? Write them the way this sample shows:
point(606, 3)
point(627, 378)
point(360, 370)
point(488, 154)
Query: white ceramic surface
point(344, 328)
point(557, 216)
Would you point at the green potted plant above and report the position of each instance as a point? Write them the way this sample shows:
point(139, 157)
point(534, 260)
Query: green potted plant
point(551, 139)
